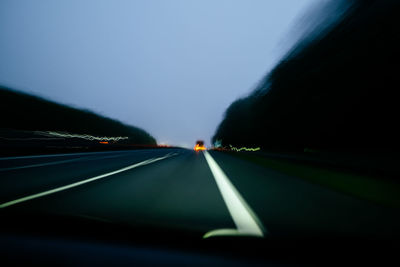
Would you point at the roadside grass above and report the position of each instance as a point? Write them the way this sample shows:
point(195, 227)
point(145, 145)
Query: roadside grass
point(380, 191)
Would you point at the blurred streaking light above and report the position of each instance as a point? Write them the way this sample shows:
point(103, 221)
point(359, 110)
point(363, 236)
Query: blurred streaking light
point(198, 147)
point(84, 136)
point(244, 148)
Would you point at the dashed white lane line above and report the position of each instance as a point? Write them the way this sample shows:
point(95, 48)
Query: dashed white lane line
point(59, 162)
point(73, 154)
point(40, 164)
point(65, 187)
point(246, 221)
point(60, 155)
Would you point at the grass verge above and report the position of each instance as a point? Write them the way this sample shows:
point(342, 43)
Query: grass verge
point(381, 191)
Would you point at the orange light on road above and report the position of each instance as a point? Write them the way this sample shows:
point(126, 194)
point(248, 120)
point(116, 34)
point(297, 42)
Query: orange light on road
point(199, 148)
point(103, 142)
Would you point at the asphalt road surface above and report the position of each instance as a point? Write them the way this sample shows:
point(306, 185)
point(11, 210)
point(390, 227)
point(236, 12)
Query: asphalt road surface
point(210, 192)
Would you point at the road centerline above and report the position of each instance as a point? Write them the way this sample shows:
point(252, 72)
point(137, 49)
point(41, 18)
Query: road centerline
point(84, 158)
point(246, 221)
point(65, 187)
point(39, 164)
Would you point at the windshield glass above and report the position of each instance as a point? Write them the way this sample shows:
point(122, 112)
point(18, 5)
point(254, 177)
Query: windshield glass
point(269, 120)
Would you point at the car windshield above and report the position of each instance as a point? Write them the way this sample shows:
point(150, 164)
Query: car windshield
point(202, 120)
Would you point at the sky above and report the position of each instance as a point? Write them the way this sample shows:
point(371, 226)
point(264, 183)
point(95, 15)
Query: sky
point(170, 67)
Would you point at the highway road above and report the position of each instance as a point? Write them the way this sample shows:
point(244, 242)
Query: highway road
point(210, 193)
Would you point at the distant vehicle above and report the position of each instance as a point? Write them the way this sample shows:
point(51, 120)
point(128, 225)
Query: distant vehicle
point(199, 145)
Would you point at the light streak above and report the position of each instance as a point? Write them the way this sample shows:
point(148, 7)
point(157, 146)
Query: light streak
point(244, 148)
point(198, 147)
point(83, 136)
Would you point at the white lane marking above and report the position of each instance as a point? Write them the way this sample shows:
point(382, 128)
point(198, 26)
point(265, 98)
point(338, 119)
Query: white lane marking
point(57, 155)
point(39, 164)
point(245, 219)
point(58, 162)
point(65, 187)
point(72, 154)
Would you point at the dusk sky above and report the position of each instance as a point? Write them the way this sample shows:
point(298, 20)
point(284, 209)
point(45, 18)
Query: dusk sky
point(169, 67)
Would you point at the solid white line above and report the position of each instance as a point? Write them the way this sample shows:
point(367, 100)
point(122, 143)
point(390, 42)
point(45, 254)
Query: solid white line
point(65, 187)
point(56, 155)
point(72, 154)
point(59, 162)
point(245, 219)
point(40, 164)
